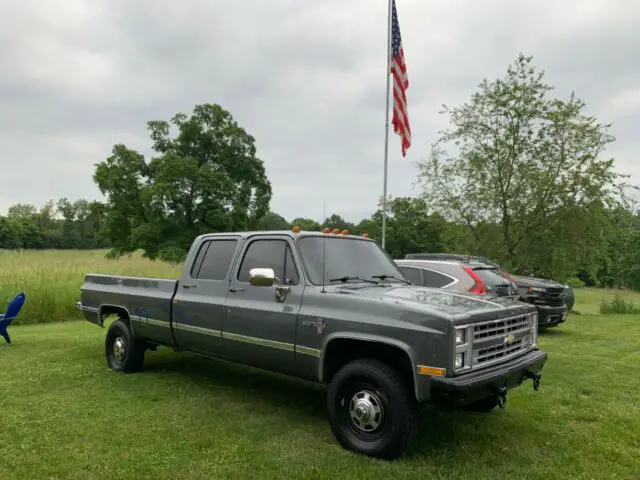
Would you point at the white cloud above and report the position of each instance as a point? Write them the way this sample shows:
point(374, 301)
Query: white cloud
point(305, 78)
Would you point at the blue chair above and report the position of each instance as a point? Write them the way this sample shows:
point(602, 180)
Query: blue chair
point(12, 312)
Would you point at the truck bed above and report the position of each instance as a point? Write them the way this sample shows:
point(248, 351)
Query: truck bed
point(146, 300)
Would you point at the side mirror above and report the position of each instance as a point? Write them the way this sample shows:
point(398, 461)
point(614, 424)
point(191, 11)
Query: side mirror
point(262, 277)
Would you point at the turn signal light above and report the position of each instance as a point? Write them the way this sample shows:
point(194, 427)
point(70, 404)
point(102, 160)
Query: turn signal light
point(433, 371)
point(295, 229)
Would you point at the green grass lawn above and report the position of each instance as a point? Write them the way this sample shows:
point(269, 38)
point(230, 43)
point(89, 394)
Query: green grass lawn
point(63, 414)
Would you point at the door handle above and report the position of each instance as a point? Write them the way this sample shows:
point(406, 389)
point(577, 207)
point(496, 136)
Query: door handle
point(233, 290)
point(189, 285)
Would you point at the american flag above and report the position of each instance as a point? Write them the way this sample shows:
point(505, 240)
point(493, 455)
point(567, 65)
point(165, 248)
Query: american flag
point(400, 84)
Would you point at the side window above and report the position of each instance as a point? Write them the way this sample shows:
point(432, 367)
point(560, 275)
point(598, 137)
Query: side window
point(290, 270)
point(435, 279)
point(412, 274)
point(197, 262)
point(216, 259)
point(274, 254)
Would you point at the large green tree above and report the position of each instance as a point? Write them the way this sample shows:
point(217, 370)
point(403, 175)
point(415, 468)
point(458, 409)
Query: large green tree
point(411, 227)
point(523, 171)
point(205, 178)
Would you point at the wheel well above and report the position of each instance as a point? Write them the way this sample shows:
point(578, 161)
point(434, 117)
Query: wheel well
point(109, 310)
point(343, 350)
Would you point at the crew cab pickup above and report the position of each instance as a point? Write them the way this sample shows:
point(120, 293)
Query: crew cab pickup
point(329, 308)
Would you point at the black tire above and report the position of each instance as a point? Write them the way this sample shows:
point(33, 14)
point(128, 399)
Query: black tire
point(399, 410)
point(484, 405)
point(124, 353)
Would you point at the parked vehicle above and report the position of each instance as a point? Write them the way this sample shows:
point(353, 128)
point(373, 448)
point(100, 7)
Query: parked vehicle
point(464, 277)
point(548, 296)
point(330, 308)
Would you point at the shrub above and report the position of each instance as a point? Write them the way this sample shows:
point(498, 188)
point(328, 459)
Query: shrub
point(575, 282)
point(619, 306)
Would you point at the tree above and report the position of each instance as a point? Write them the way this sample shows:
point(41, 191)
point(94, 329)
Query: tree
point(306, 224)
point(207, 178)
point(273, 221)
point(515, 164)
point(411, 227)
point(336, 221)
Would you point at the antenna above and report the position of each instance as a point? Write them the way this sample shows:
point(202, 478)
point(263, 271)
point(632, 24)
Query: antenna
point(324, 215)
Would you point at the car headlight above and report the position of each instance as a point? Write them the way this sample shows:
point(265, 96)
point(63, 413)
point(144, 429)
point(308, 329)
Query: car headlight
point(460, 336)
point(536, 290)
point(459, 360)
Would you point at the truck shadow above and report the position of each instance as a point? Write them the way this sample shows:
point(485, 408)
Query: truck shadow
point(298, 401)
point(553, 332)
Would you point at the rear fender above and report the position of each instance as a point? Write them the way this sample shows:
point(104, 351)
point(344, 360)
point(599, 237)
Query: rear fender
point(108, 309)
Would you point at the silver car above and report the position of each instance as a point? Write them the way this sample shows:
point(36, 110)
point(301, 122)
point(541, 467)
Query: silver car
point(464, 277)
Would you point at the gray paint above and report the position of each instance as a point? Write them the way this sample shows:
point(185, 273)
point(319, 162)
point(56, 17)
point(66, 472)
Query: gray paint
point(251, 327)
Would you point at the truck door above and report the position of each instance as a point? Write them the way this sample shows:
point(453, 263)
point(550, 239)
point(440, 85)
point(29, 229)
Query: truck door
point(198, 306)
point(259, 328)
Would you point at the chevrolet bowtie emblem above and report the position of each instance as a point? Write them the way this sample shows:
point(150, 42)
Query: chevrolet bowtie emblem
point(509, 339)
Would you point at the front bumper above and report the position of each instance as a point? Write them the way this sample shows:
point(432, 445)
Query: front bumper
point(496, 380)
point(548, 316)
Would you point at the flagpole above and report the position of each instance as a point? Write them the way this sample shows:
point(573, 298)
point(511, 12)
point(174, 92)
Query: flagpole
point(386, 128)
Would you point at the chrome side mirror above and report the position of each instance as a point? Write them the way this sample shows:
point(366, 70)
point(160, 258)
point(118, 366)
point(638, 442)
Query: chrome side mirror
point(262, 277)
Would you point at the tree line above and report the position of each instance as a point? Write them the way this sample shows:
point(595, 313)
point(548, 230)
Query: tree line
point(520, 176)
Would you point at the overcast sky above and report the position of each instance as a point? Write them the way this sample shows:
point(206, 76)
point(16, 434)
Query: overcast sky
point(306, 78)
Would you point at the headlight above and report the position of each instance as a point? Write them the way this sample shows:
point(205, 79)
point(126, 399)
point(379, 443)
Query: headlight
point(536, 290)
point(459, 360)
point(460, 336)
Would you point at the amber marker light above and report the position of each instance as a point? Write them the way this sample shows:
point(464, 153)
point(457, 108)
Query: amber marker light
point(434, 371)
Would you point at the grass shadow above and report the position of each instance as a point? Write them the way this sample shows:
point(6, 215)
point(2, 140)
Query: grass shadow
point(440, 429)
point(242, 382)
point(557, 331)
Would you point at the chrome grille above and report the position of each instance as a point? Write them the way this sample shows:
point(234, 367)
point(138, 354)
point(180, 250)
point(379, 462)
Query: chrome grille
point(494, 341)
point(501, 327)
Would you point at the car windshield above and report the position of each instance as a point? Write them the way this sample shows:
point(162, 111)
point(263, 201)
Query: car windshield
point(344, 257)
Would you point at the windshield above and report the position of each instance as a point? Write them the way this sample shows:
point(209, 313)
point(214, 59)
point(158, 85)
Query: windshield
point(344, 257)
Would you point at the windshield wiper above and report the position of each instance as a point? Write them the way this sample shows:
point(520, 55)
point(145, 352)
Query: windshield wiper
point(385, 276)
point(346, 278)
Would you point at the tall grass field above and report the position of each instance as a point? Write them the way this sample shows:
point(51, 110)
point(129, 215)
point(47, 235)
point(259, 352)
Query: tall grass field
point(51, 279)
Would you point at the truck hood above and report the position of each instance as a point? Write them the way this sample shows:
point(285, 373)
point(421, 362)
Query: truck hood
point(523, 281)
point(435, 300)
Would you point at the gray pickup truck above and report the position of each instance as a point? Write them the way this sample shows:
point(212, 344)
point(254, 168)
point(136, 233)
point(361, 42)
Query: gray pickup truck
point(329, 308)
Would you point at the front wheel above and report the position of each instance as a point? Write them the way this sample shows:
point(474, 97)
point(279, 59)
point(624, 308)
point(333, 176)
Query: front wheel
point(124, 353)
point(372, 409)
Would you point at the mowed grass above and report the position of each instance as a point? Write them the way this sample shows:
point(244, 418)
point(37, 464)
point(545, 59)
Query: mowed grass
point(51, 279)
point(64, 414)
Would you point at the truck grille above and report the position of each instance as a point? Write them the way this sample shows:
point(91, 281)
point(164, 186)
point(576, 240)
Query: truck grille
point(491, 342)
point(554, 296)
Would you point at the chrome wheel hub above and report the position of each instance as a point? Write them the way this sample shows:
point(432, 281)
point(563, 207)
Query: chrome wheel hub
point(118, 349)
point(366, 411)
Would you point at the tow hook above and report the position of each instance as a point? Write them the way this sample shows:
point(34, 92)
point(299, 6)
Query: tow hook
point(535, 377)
point(502, 397)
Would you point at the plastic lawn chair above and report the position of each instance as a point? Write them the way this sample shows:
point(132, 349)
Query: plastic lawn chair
point(12, 312)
